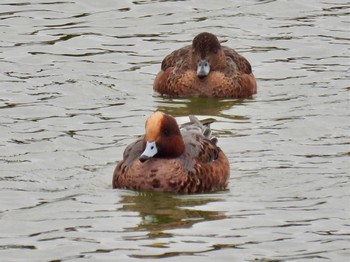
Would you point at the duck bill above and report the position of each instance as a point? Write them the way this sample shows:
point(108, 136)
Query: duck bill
point(150, 151)
point(203, 68)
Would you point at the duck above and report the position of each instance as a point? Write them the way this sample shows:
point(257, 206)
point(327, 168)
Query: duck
point(205, 69)
point(173, 158)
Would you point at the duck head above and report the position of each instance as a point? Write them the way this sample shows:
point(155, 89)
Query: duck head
point(207, 54)
point(163, 138)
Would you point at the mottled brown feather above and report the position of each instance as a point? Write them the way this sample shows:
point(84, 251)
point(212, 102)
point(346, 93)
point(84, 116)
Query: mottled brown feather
point(230, 76)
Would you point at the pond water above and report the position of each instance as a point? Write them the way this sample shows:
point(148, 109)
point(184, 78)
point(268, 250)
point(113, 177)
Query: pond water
point(76, 87)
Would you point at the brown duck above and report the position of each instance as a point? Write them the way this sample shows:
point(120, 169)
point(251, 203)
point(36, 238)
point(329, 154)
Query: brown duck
point(205, 69)
point(172, 158)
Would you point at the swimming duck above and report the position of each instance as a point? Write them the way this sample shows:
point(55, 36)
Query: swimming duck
point(173, 158)
point(206, 69)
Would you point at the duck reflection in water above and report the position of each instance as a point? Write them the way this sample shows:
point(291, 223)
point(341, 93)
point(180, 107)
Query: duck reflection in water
point(198, 106)
point(162, 211)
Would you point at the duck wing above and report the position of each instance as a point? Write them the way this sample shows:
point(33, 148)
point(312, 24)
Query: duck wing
point(176, 57)
point(242, 64)
point(200, 144)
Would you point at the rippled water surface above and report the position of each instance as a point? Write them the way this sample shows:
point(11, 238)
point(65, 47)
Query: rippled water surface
point(76, 87)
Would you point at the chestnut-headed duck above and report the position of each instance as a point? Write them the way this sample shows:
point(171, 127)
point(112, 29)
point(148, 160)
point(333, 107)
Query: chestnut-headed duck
point(173, 158)
point(206, 69)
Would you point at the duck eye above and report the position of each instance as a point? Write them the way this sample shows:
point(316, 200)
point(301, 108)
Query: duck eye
point(166, 132)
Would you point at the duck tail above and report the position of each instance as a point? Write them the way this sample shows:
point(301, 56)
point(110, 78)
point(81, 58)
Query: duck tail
point(204, 125)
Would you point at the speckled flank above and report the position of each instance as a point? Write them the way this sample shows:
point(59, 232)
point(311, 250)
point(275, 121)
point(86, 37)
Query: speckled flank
point(230, 74)
point(200, 167)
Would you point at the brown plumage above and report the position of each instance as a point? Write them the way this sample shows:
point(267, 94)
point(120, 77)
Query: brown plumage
point(172, 158)
point(207, 69)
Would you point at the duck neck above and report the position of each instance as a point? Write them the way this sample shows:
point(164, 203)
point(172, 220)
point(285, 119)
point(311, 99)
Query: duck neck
point(172, 148)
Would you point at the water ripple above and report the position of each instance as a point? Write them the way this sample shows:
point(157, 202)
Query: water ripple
point(76, 88)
